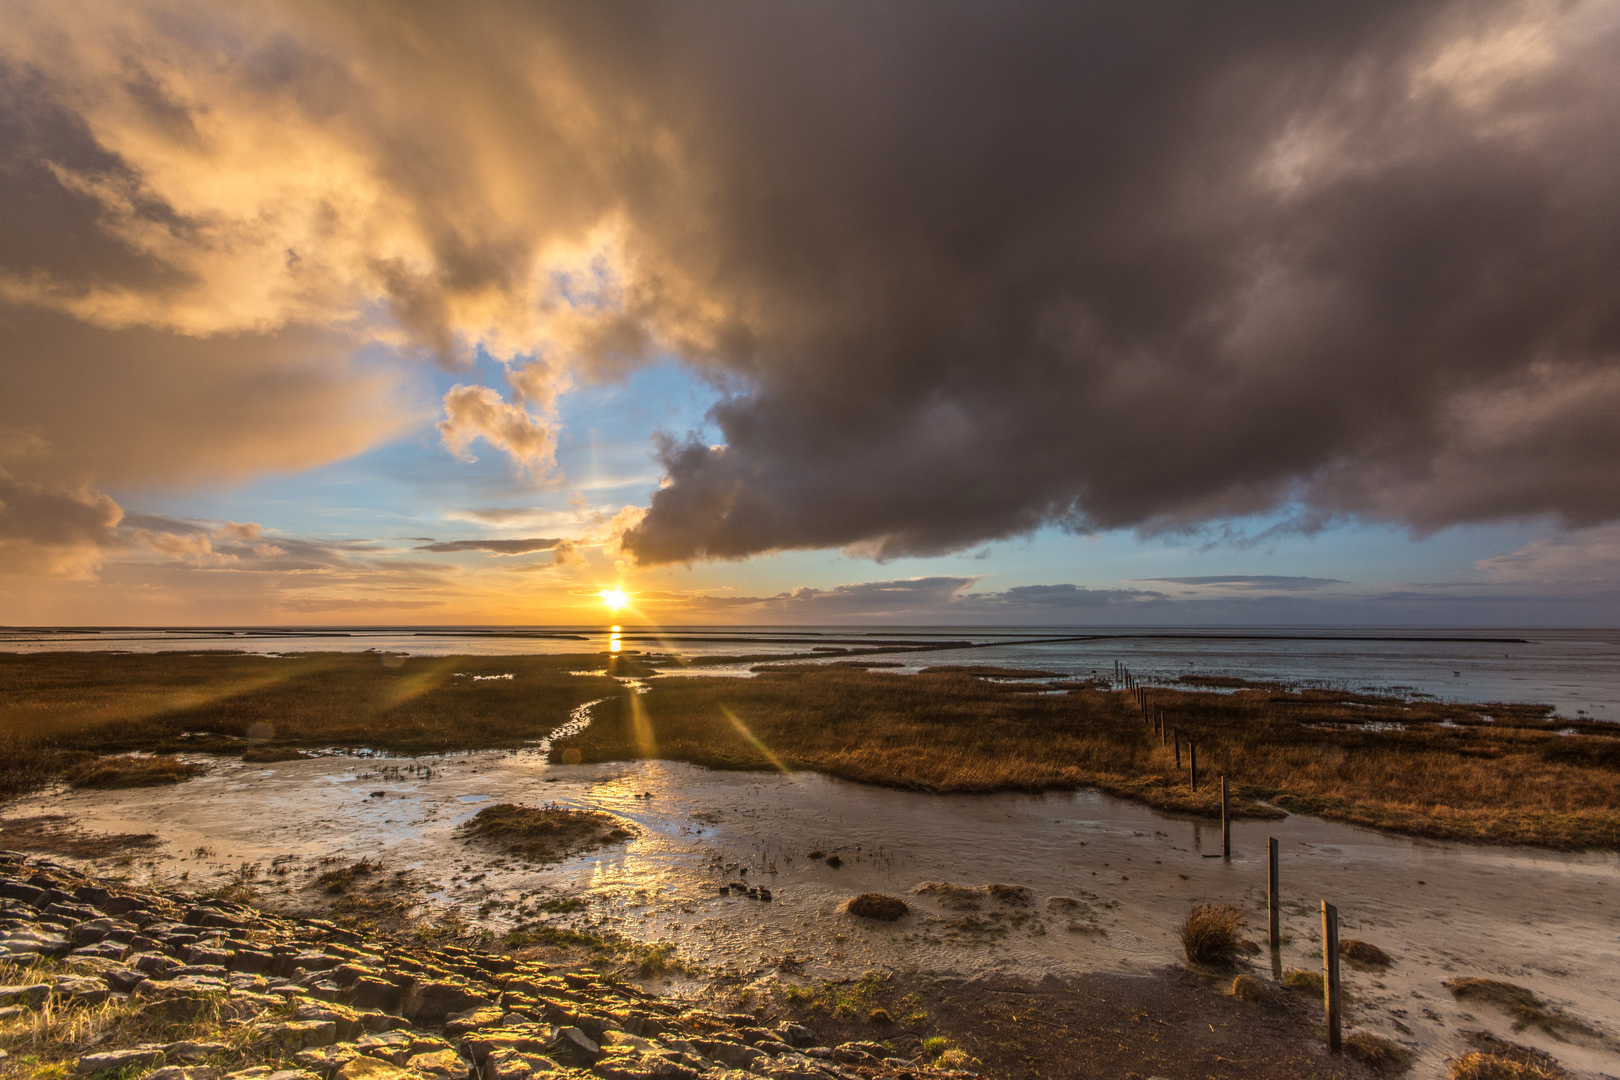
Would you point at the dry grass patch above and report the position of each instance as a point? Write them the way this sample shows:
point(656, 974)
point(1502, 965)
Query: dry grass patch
point(1481, 1066)
point(1364, 953)
point(1377, 1053)
point(877, 906)
point(129, 771)
point(1209, 934)
point(548, 833)
point(1522, 1004)
point(1309, 982)
point(339, 881)
point(1250, 989)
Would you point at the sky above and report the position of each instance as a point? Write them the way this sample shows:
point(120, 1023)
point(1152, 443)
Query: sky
point(1066, 313)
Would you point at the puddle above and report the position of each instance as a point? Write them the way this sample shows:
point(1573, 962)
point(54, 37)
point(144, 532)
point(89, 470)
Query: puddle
point(1547, 921)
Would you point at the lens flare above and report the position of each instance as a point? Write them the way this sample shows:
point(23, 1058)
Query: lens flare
point(753, 740)
point(614, 598)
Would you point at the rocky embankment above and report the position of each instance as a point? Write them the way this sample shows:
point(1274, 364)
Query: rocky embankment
point(248, 994)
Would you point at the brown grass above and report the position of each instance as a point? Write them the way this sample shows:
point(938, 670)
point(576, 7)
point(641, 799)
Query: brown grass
point(1364, 952)
point(59, 709)
point(1522, 1004)
point(1499, 1058)
point(1309, 982)
point(127, 771)
point(1480, 1066)
point(1444, 772)
point(1377, 1053)
point(339, 881)
point(1209, 934)
point(873, 905)
point(548, 833)
point(1250, 989)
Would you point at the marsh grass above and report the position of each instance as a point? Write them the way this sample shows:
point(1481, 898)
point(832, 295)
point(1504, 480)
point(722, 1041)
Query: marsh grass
point(1419, 767)
point(60, 710)
point(1209, 934)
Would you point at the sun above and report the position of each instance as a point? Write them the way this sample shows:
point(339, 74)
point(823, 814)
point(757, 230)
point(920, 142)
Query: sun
point(614, 598)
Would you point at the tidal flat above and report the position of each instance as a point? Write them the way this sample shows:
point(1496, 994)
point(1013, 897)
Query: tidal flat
point(993, 779)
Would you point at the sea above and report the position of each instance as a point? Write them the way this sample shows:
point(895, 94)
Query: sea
point(1575, 671)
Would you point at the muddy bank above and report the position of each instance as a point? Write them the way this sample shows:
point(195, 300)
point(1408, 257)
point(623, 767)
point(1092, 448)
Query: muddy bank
point(1541, 920)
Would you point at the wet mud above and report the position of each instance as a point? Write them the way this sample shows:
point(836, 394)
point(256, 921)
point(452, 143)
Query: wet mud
point(1092, 883)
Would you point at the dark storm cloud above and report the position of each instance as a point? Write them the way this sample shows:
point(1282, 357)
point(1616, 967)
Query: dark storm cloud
point(493, 547)
point(1254, 581)
point(1150, 266)
point(958, 270)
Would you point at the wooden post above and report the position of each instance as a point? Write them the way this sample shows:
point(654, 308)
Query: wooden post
point(1273, 903)
point(1175, 733)
point(1330, 975)
point(1226, 819)
point(1192, 749)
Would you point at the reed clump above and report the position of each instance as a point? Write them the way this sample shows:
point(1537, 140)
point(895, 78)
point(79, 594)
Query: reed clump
point(1481, 773)
point(1209, 934)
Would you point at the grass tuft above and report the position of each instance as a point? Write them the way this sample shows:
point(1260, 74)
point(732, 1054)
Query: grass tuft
point(1377, 1053)
point(1364, 952)
point(1250, 989)
point(1209, 934)
point(1482, 1066)
point(1302, 980)
point(877, 906)
point(1522, 1004)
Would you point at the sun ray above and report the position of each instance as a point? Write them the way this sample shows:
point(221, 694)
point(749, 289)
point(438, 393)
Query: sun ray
point(753, 740)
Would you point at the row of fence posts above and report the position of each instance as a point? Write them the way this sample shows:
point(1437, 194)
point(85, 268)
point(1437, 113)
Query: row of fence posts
point(1155, 715)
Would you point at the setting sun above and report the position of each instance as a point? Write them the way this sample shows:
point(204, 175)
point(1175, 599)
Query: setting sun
point(614, 598)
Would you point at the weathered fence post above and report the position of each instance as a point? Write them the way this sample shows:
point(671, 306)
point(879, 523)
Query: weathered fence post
point(1226, 819)
point(1330, 975)
point(1273, 912)
point(1175, 733)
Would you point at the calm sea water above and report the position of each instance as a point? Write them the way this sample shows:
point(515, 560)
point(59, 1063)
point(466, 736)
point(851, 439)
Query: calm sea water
point(1576, 671)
